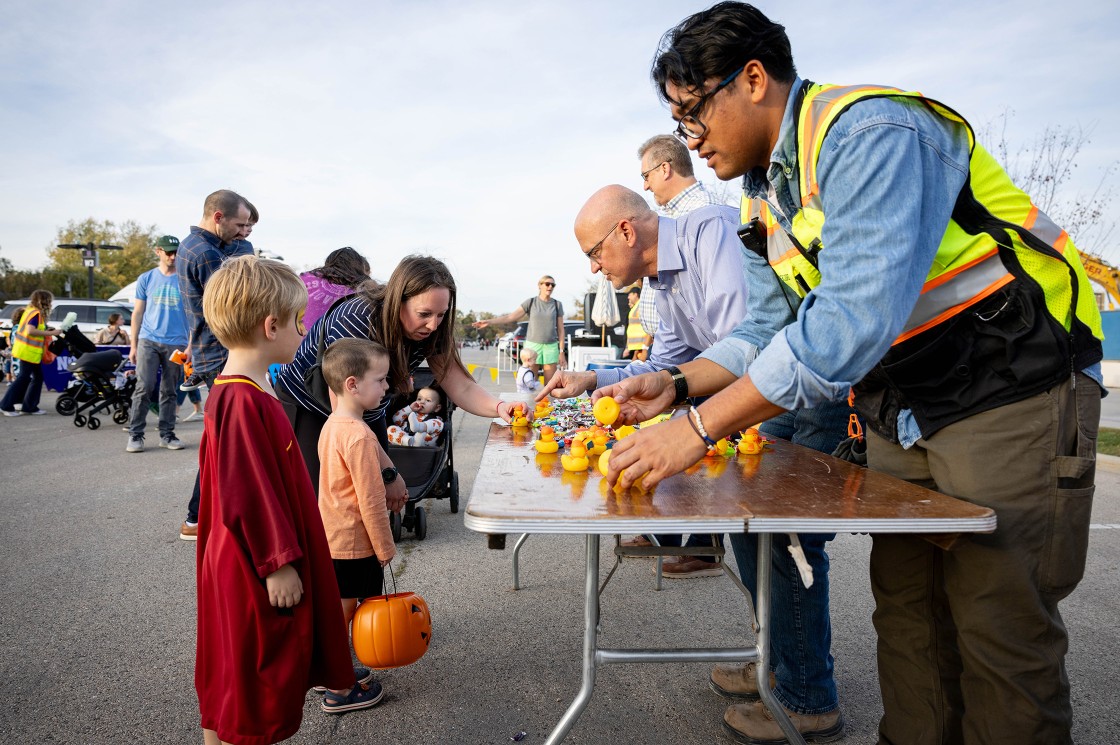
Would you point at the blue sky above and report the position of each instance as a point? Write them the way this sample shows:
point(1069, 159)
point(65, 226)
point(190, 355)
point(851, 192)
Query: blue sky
point(473, 131)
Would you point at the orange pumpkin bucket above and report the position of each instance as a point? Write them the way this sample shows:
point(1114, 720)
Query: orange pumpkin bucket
point(391, 630)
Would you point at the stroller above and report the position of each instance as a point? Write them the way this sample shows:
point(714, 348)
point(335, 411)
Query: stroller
point(94, 388)
point(428, 471)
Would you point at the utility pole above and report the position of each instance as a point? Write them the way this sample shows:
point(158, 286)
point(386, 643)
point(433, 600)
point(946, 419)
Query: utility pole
point(90, 257)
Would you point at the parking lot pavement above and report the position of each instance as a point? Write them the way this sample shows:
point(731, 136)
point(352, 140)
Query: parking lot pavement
point(97, 615)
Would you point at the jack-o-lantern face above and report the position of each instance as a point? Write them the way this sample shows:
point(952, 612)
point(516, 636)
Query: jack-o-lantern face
point(391, 630)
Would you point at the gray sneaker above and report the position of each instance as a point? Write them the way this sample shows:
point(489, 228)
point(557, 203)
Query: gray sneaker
point(171, 443)
point(135, 444)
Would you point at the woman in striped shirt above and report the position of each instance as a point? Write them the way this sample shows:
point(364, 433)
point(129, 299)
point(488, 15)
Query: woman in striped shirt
point(412, 317)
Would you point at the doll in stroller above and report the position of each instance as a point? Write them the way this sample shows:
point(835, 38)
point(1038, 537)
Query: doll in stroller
point(428, 471)
point(97, 386)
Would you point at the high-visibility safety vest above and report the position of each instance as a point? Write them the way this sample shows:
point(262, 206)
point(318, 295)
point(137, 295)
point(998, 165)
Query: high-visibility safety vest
point(25, 346)
point(1006, 310)
point(635, 334)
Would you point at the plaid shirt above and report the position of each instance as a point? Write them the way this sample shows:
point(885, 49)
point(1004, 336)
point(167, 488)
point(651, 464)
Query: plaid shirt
point(694, 197)
point(199, 256)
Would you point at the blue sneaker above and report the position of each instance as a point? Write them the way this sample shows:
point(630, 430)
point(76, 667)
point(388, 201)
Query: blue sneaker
point(361, 674)
point(361, 696)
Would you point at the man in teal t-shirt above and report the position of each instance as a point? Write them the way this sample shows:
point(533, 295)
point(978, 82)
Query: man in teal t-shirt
point(162, 330)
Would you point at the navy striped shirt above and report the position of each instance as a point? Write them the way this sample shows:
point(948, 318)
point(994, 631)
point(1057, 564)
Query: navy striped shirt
point(350, 320)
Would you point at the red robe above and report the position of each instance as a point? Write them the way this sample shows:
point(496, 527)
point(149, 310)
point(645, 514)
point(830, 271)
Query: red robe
point(254, 663)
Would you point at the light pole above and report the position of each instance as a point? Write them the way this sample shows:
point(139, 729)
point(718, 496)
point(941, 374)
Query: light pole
point(90, 257)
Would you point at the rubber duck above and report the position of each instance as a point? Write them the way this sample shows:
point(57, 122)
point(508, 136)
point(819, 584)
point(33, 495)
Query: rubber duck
point(544, 408)
point(577, 461)
point(517, 416)
point(720, 448)
point(624, 431)
point(751, 442)
point(606, 411)
point(547, 442)
point(599, 440)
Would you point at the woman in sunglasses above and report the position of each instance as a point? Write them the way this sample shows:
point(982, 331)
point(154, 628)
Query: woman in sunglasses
point(545, 334)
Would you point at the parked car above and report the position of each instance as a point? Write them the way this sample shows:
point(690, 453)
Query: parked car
point(93, 315)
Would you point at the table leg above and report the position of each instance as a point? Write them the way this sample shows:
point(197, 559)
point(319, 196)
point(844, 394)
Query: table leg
point(762, 617)
point(590, 643)
point(516, 552)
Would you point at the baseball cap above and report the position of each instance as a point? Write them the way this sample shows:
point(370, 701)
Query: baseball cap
point(168, 243)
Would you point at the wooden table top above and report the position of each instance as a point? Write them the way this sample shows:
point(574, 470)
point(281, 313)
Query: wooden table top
point(784, 489)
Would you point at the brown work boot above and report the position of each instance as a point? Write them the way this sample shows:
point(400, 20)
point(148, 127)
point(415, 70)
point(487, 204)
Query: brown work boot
point(737, 681)
point(683, 567)
point(754, 725)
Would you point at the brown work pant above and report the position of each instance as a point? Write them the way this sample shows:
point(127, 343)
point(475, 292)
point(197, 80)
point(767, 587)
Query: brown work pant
point(971, 644)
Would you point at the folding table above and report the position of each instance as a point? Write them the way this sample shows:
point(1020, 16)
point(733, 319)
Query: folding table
point(785, 489)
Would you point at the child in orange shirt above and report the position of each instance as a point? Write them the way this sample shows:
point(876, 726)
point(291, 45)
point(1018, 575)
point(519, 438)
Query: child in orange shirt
point(352, 482)
point(269, 622)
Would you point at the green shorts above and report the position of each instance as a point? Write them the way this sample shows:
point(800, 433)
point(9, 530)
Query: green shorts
point(547, 354)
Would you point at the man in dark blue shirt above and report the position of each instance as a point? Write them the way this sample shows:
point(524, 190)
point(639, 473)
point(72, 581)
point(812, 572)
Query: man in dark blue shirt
point(227, 220)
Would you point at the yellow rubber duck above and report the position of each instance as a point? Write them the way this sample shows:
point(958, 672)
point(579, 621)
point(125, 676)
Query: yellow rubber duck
point(547, 442)
point(517, 416)
point(606, 410)
point(720, 448)
point(624, 431)
point(751, 443)
point(599, 439)
point(577, 461)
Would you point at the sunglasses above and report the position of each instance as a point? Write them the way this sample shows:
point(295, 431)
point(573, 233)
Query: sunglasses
point(548, 284)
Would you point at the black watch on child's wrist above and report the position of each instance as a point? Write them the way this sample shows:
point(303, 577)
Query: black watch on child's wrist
point(388, 475)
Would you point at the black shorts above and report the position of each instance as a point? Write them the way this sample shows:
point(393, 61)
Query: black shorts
point(359, 578)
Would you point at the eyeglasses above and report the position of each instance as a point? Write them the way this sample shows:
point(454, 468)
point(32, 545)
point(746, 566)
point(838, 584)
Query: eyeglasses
point(548, 284)
point(645, 174)
point(690, 127)
point(597, 249)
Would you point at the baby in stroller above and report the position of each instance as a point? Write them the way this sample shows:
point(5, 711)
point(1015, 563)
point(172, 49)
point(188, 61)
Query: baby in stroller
point(98, 383)
point(419, 423)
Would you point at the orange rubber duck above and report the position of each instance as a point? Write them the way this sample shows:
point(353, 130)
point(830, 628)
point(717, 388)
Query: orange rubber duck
point(577, 461)
point(547, 442)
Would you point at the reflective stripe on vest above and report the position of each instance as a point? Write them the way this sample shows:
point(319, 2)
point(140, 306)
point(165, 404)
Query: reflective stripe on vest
point(25, 346)
point(967, 268)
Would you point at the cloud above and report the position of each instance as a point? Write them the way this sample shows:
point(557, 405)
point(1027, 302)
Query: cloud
point(470, 130)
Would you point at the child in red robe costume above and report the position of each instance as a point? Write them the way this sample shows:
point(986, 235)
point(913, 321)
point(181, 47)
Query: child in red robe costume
point(270, 620)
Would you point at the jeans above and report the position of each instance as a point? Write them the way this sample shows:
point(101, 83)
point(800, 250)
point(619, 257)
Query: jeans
point(971, 644)
point(152, 358)
point(27, 387)
point(196, 495)
point(801, 656)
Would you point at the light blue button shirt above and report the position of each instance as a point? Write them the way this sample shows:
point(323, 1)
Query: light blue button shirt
point(889, 173)
point(700, 288)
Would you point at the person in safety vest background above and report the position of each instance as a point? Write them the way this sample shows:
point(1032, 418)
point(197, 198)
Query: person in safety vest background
point(637, 340)
point(29, 338)
point(962, 317)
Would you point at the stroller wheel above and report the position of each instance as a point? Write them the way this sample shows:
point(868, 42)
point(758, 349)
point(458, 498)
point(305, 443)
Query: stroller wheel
point(120, 416)
point(421, 524)
point(66, 405)
point(79, 421)
point(453, 495)
point(93, 422)
point(395, 525)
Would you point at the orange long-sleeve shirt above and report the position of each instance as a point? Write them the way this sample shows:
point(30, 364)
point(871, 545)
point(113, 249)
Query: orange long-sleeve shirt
point(351, 492)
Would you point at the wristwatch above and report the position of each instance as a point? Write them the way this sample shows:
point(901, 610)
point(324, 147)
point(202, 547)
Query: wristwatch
point(679, 384)
point(388, 475)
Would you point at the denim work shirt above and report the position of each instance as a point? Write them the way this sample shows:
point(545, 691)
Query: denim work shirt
point(889, 172)
point(200, 255)
point(700, 289)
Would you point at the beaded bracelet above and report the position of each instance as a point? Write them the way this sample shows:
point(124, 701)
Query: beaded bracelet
point(698, 425)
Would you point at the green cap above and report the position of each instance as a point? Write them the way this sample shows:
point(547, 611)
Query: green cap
point(168, 243)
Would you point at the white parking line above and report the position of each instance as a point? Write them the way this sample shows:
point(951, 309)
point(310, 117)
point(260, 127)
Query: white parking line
point(1104, 526)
